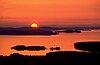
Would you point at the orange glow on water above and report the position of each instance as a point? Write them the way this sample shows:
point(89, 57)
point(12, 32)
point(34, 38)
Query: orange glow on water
point(64, 40)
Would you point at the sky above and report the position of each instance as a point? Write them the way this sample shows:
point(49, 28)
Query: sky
point(46, 12)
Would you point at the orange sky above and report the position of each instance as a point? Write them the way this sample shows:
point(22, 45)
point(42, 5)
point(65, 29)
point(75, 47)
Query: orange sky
point(67, 9)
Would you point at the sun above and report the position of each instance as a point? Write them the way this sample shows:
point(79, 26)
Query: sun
point(34, 25)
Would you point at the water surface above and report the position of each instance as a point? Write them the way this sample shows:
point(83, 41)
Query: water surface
point(64, 40)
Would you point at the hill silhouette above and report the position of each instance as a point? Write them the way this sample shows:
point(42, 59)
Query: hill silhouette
point(52, 58)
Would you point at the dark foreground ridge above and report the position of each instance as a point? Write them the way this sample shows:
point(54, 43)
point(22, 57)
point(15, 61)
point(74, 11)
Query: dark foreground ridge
point(52, 58)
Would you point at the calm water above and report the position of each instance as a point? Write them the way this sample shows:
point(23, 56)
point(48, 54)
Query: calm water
point(64, 40)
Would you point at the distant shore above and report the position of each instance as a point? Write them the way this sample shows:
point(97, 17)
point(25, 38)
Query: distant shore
point(26, 31)
point(43, 30)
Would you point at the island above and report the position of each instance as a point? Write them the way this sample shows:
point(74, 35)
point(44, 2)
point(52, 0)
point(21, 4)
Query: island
point(26, 31)
point(29, 48)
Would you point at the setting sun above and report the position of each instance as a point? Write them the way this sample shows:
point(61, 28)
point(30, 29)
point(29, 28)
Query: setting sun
point(34, 25)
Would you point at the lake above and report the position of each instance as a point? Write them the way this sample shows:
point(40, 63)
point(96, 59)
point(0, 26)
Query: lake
point(64, 40)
